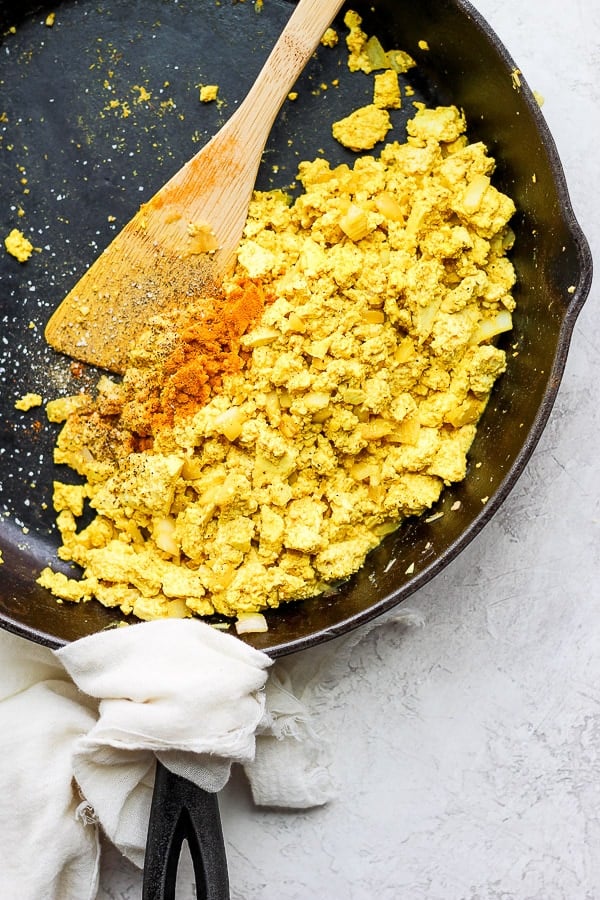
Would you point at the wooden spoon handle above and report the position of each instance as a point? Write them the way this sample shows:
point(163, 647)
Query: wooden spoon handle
point(297, 42)
point(215, 186)
point(183, 241)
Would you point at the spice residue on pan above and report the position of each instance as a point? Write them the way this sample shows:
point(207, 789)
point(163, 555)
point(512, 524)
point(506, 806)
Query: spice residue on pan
point(343, 399)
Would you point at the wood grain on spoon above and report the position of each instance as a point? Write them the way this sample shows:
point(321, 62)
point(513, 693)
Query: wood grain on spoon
point(184, 240)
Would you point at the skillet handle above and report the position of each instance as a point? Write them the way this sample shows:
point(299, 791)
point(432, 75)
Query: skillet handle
point(180, 811)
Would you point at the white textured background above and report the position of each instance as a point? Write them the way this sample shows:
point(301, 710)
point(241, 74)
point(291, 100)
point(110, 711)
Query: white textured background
point(467, 752)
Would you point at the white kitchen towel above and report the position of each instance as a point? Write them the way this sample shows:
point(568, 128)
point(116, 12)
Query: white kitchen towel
point(80, 729)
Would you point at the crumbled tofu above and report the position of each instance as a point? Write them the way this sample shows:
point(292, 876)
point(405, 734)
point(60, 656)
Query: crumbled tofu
point(357, 402)
point(69, 497)
point(400, 60)
point(363, 128)
point(209, 93)
point(386, 94)
point(330, 38)
point(366, 54)
point(60, 409)
point(18, 245)
point(356, 42)
point(66, 588)
point(28, 401)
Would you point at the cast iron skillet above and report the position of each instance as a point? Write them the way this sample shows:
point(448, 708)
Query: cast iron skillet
point(73, 129)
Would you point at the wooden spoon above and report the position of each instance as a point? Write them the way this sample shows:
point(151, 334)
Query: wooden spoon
point(184, 240)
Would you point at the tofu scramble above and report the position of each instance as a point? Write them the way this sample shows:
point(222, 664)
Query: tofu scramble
point(259, 446)
point(356, 399)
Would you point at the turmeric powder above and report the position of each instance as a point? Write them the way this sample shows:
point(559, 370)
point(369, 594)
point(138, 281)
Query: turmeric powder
point(209, 349)
point(178, 364)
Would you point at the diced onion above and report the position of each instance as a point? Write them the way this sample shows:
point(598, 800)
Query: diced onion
point(230, 423)
point(490, 327)
point(164, 534)
point(355, 223)
point(251, 623)
point(389, 207)
point(473, 195)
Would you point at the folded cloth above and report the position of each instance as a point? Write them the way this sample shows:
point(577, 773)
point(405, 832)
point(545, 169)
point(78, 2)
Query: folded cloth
point(45, 850)
point(81, 728)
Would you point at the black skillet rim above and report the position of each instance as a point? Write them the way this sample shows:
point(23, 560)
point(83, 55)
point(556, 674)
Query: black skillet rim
point(585, 269)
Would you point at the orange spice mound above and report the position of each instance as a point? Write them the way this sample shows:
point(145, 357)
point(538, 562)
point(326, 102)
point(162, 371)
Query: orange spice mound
point(209, 347)
point(176, 365)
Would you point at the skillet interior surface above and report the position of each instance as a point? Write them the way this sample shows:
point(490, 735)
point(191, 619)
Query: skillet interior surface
point(79, 144)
